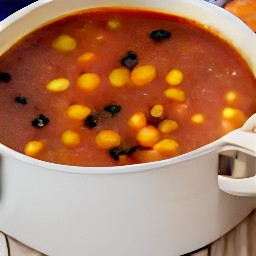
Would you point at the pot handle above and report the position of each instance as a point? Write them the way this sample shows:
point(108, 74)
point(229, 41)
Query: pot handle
point(238, 187)
point(237, 161)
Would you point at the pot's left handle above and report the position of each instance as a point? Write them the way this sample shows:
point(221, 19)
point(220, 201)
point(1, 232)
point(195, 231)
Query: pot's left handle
point(237, 161)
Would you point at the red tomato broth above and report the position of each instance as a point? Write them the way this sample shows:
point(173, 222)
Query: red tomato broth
point(210, 68)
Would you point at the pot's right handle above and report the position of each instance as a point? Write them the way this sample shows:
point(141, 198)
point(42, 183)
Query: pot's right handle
point(238, 187)
point(237, 161)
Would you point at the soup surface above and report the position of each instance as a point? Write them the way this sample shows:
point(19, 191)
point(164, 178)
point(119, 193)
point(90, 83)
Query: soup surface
point(114, 86)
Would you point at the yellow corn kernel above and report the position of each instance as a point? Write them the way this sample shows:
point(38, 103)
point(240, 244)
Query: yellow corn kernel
point(86, 57)
point(32, 148)
point(147, 155)
point(148, 136)
point(64, 43)
point(157, 110)
point(88, 81)
point(174, 77)
point(197, 118)
point(119, 77)
point(234, 115)
point(70, 139)
point(167, 126)
point(58, 85)
point(175, 94)
point(107, 139)
point(113, 24)
point(231, 96)
point(123, 159)
point(78, 112)
point(143, 75)
point(166, 147)
point(137, 121)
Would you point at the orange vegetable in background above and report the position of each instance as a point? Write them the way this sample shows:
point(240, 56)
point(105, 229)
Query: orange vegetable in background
point(245, 10)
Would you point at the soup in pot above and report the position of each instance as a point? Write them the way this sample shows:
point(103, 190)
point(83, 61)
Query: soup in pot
point(117, 86)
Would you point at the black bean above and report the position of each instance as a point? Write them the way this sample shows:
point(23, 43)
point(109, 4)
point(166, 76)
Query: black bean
point(40, 121)
point(5, 77)
point(116, 152)
point(129, 60)
point(90, 121)
point(131, 150)
point(113, 109)
point(159, 35)
point(21, 100)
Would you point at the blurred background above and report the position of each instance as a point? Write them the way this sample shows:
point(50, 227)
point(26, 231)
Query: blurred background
point(7, 7)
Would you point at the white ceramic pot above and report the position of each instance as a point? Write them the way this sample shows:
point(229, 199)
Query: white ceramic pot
point(164, 208)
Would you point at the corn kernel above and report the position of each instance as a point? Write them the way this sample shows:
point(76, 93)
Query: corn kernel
point(147, 155)
point(88, 81)
point(70, 139)
point(175, 94)
point(231, 96)
point(64, 43)
point(197, 118)
point(137, 121)
point(58, 85)
point(86, 57)
point(143, 75)
point(107, 139)
point(123, 159)
point(167, 126)
point(148, 136)
point(32, 148)
point(166, 147)
point(78, 112)
point(119, 77)
point(174, 77)
point(113, 24)
point(157, 110)
point(234, 115)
